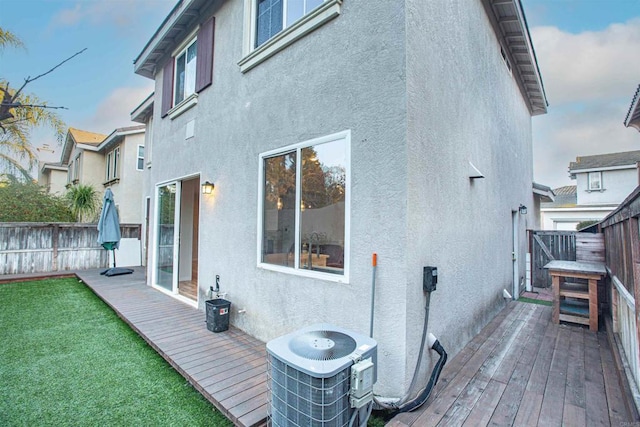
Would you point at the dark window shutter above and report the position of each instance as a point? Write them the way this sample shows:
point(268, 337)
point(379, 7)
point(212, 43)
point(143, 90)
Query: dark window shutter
point(167, 87)
point(204, 64)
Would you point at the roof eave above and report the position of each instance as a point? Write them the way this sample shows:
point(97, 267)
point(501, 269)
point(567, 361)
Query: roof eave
point(510, 24)
point(603, 168)
point(142, 112)
point(118, 135)
point(546, 193)
point(633, 116)
point(171, 31)
point(50, 166)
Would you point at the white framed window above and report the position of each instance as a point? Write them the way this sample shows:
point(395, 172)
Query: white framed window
point(273, 16)
point(189, 71)
point(140, 158)
point(73, 175)
point(304, 208)
point(112, 165)
point(108, 166)
point(185, 72)
point(595, 181)
point(272, 25)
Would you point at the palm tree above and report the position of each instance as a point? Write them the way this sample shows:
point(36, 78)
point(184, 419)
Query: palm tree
point(19, 114)
point(84, 202)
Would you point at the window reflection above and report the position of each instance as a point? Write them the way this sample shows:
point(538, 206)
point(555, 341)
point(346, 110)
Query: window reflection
point(318, 196)
point(323, 195)
point(279, 209)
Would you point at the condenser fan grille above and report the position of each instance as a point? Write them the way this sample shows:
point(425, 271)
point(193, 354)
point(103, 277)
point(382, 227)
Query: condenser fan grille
point(322, 345)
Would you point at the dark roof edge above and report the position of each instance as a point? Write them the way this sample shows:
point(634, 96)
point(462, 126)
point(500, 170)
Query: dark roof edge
point(533, 52)
point(635, 106)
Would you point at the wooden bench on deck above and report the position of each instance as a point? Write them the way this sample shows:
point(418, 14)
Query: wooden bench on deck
point(576, 300)
point(582, 303)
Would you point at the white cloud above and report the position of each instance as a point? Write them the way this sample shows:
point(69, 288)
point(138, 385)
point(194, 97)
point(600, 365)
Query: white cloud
point(590, 79)
point(589, 65)
point(115, 110)
point(121, 13)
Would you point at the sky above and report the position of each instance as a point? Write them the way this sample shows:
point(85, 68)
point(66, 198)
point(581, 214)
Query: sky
point(587, 51)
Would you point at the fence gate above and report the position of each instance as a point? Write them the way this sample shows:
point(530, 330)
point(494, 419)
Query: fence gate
point(546, 246)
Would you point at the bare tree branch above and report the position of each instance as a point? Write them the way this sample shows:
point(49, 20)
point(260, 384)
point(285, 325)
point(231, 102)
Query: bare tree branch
point(29, 79)
point(19, 105)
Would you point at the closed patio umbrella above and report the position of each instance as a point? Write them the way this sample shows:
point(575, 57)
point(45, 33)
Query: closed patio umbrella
point(109, 232)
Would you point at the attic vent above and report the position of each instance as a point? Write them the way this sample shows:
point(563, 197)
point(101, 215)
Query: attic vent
point(322, 345)
point(505, 58)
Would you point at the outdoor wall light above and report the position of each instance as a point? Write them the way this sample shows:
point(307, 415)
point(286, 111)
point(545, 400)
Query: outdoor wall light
point(207, 188)
point(522, 209)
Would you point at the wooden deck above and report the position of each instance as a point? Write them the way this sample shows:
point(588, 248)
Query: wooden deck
point(228, 368)
point(521, 369)
point(524, 370)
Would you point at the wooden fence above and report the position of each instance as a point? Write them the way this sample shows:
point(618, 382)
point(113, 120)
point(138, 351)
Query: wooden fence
point(44, 247)
point(546, 246)
point(622, 243)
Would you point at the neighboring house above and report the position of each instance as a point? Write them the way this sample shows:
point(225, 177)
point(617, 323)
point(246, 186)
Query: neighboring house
point(79, 155)
point(332, 132)
point(53, 176)
point(115, 160)
point(602, 183)
point(633, 115)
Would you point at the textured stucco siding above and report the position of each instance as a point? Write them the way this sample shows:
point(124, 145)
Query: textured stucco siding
point(128, 191)
point(617, 185)
point(57, 180)
point(346, 75)
point(463, 105)
point(415, 120)
point(92, 170)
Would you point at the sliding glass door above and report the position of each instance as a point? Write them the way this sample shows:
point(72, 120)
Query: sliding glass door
point(177, 228)
point(167, 236)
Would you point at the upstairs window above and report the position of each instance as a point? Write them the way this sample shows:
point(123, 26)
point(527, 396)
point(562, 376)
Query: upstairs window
point(191, 69)
point(595, 181)
point(140, 158)
point(185, 67)
point(112, 165)
point(272, 25)
point(73, 174)
point(273, 16)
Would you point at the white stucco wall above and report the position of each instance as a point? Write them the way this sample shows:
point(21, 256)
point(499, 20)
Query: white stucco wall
point(415, 122)
point(616, 184)
point(92, 170)
point(57, 181)
point(568, 218)
point(128, 192)
point(464, 105)
point(54, 180)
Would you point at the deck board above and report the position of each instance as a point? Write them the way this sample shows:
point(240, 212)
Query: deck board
point(228, 368)
point(524, 370)
point(521, 369)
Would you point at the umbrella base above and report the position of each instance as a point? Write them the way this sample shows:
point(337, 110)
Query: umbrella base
point(116, 271)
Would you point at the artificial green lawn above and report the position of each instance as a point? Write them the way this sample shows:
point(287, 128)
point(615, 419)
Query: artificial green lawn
point(535, 301)
point(67, 359)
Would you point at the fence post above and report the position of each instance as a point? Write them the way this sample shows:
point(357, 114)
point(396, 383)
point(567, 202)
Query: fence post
point(54, 244)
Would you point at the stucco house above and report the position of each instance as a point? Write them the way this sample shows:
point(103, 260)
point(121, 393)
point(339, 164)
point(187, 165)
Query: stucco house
point(332, 131)
point(633, 115)
point(115, 160)
point(53, 176)
point(603, 181)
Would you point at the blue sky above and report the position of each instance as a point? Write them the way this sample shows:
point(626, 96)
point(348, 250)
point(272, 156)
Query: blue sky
point(587, 52)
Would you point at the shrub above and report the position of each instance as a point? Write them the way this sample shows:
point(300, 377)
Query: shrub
point(30, 202)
